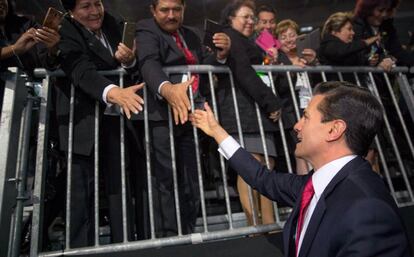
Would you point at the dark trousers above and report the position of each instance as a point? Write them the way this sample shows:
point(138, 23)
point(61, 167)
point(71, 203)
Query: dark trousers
point(162, 178)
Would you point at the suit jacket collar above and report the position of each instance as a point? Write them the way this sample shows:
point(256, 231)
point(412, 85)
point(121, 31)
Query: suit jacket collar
point(95, 45)
point(321, 207)
point(171, 42)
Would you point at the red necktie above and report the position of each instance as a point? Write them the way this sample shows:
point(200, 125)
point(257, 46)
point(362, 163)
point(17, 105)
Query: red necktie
point(307, 195)
point(189, 58)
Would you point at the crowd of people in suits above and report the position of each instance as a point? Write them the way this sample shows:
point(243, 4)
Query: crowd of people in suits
point(89, 40)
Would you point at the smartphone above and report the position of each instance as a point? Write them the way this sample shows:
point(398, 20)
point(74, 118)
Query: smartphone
point(128, 34)
point(302, 42)
point(53, 18)
point(308, 41)
point(211, 28)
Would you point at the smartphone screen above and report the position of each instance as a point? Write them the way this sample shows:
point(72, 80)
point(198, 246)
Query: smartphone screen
point(128, 35)
point(53, 18)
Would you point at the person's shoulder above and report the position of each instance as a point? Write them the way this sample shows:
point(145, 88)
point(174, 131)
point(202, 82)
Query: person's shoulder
point(146, 24)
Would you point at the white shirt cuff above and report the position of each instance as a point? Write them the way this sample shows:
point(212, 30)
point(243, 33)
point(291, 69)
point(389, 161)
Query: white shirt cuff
point(105, 92)
point(222, 61)
point(129, 66)
point(159, 88)
point(228, 147)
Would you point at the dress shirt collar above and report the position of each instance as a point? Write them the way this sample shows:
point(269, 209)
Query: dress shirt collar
point(327, 172)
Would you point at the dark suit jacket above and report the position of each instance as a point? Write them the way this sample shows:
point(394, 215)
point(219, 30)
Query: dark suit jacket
point(157, 49)
point(82, 56)
point(355, 216)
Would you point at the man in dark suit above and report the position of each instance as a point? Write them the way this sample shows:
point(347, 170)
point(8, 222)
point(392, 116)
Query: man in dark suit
point(90, 42)
point(341, 208)
point(163, 41)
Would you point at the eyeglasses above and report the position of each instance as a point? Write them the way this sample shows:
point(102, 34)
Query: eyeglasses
point(248, 17)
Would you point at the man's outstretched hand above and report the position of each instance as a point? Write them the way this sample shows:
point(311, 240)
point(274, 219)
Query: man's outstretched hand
point(127, 99)
point(206, 121)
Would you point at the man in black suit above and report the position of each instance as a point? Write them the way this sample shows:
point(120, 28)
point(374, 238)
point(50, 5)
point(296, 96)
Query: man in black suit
point(342, 208)
point(91, 42)
point(163, 41)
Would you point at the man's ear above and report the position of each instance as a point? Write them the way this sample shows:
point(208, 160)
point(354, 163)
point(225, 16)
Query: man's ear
point(337, 130)
point(152, 9)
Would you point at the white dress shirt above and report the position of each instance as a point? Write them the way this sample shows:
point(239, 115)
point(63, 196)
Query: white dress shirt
point(320, 178)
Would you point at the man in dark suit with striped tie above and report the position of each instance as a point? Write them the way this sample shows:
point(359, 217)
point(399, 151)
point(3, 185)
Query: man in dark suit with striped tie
point(341, 208)
point(163, 41)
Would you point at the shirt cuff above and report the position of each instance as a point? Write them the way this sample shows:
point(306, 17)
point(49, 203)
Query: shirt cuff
point(129, 66)
point(223, 61)
point(159, 88)
point(228, 147)
point(105, 92)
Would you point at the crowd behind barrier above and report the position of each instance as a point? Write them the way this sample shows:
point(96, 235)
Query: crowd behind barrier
point(396, 158)
point(88, 168)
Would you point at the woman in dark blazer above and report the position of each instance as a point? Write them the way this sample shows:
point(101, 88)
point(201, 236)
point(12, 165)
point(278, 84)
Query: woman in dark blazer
point(338, 47)
point(239, 17)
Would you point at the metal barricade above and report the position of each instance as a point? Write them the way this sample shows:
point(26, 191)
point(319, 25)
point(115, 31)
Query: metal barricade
point(10, 128)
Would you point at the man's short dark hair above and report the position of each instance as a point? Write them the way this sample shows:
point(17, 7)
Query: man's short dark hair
point(265, 8)
point(154, 3)
point(357, 107)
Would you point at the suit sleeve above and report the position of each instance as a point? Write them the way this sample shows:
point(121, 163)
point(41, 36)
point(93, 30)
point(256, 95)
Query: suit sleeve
point(280, 187)
point(78, 66)
point(371, 228)
point(150, 60)
point(247, 79)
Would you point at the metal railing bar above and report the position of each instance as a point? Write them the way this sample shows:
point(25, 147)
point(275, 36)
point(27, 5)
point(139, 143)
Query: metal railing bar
point(41, 155)
point(148, 164)
point(222, 164)
point(198, 161)
point(174, 173)
point(96, 174)
point(163, 242)
point(381, 154)
point(69, 166)
point(392, 139)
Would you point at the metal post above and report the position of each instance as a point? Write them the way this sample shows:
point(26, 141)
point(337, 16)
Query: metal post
point(148, 162)
point(40, 175)
point(393, 143)
point(123, 172)
point(174, 171)
point(381, 154)
point(69, 164)
point(21, 180)
point(222, 165)
point(14, 97)
point(96, 174)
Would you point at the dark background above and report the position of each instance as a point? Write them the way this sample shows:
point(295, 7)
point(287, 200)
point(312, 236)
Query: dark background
point(304, 12)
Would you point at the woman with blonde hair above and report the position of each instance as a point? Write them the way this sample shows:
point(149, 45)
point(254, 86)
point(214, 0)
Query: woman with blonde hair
point(338, 46)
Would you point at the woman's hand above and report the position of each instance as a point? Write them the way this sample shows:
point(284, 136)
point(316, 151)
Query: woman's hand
point(125, 55)
point(25, 42)
point(309, 55)
point(387, 64)
point(47, 36)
